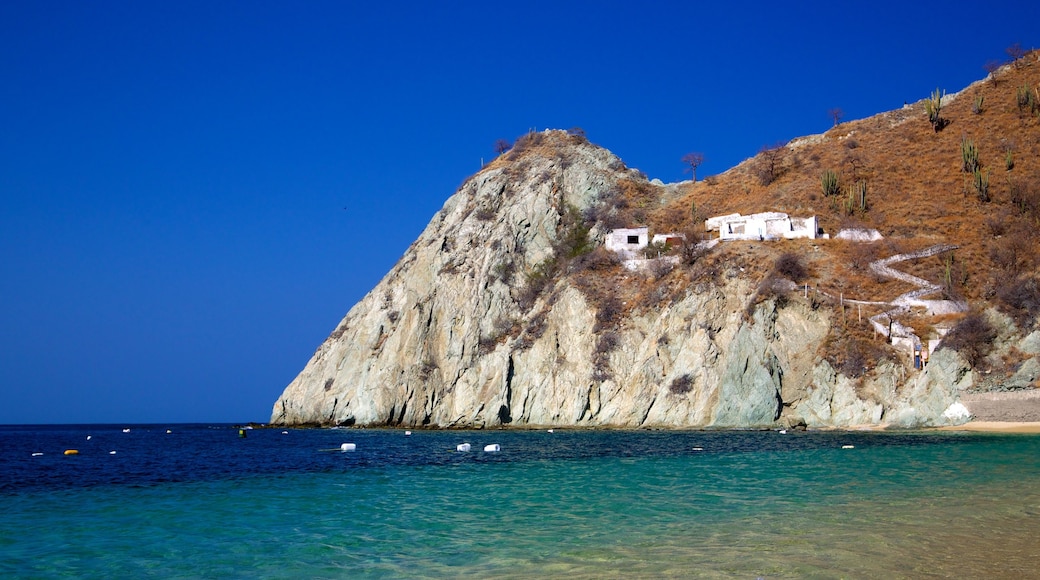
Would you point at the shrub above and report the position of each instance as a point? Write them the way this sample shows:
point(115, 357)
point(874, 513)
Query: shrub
point(789, 265)
point(1021, 299)
point(598, 259)
point(976, 106)
point(681, 385)
point(972, 338)
point(1009, 159)
point(1012, 252)
point(608, 313)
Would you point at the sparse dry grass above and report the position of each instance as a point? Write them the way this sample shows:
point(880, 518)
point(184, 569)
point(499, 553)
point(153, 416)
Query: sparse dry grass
point(918, 194)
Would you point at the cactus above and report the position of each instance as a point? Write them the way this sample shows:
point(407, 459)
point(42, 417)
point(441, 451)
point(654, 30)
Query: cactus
point(934, 107)
point(855, 198)
point(1024, 98)
point(1009, 159)
point(829, 181)
point(969, 156)
point(860, 191)
point(977, 106)
point(980, 180)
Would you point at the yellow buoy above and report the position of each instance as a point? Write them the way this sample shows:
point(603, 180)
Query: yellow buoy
point(71, 452)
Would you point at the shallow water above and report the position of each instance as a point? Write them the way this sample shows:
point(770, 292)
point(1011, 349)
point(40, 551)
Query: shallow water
point(202, 502)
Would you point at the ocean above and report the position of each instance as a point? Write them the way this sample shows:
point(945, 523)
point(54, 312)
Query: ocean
point(199, 501)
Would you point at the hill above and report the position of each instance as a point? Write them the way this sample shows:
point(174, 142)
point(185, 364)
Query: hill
point(510, 310)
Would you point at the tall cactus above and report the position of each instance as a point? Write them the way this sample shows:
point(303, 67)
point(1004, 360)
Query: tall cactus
point(934, 107)
point(980, 179)
point(829, 181)
point(969, 156)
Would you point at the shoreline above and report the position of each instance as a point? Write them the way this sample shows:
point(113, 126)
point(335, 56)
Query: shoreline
point(995, 427)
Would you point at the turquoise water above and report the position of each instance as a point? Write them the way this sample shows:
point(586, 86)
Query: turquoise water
point(202, 503)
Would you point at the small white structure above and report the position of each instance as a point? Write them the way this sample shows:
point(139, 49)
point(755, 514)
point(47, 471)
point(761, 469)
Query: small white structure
point(859, 235)
point(668, 239)
point(627, 242)
point(462, 447)
point(762, 226)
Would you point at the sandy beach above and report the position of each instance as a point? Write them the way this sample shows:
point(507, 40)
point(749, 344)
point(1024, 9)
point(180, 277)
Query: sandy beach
point(997, 426)
point(1010, 412)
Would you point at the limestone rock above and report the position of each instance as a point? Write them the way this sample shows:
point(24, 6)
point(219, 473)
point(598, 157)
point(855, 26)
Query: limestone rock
point(465, 331)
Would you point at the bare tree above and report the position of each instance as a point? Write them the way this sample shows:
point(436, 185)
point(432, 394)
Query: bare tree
point(501, 146)
point(992, 67)
point(1016, 52)
point(770, 165)
point(694, 160)
point(836, 114)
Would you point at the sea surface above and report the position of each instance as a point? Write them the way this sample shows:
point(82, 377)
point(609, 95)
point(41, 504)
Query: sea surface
point(199, 501)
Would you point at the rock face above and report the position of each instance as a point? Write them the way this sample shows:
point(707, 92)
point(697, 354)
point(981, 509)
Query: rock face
point(458, 335)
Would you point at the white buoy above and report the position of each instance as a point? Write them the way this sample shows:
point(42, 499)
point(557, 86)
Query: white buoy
point(111, 452)
point(168, 431)
point(348, 447)
point(407, 433)
point(550, 430)
point(88, 437)
point(462, 447)
point(37, 454)
point(493, 448)
point(127, 430)
point(848, 446)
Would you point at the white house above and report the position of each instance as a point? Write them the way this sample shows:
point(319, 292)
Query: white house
point(628, 242)
point(762, 226)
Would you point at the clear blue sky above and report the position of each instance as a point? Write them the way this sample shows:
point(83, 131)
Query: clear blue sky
point(194, 193)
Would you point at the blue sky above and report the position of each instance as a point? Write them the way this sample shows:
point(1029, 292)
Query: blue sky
point(194, 193)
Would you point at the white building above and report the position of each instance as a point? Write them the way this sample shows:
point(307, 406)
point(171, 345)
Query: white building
point(762, 226)
point(628, 242)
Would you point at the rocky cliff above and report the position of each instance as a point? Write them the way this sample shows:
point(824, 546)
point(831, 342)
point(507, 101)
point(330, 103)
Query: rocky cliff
point(507, 312)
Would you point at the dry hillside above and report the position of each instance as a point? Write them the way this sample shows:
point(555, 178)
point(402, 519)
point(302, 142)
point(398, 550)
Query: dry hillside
point(902, 172)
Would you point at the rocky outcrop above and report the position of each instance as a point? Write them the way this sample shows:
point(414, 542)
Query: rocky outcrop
point(465, 331)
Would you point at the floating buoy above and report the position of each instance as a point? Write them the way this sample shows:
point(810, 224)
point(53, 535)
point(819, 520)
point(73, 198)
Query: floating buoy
point(37, 454)
point(168, 431)
point(462, 447)
point(127, 430)
point(493, 448)
point(348, 447)
point(88, 437)
point(71, 452)
point(111, 452)
point(241, 432)
point(407, 433)
point(848, 446)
